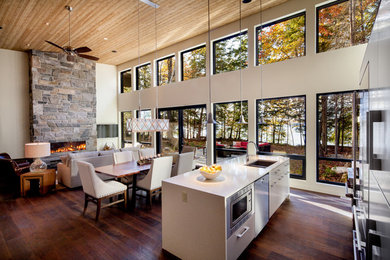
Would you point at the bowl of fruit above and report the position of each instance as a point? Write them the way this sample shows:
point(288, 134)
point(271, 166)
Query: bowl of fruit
point(211, 172)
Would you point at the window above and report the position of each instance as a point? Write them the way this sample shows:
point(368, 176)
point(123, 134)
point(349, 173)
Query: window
point(231, 138)
point(126, 135)
point(193, 63)
point(229, 54)
point(334, 136)
point(145, 138)
point(143, 76)
point(281, 130)
point(126, 81)
point(281, 40)
point(166, 71)
point(341, 25)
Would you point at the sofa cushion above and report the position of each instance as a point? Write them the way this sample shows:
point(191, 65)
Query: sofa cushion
point(81, 155)
point(129, 149)
point(108, 152)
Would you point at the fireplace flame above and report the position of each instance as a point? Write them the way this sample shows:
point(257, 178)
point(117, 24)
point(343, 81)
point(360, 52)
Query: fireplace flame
point(69, 147)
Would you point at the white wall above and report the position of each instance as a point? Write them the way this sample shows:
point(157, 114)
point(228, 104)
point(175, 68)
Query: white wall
point(315, 73)
point(106, 100)
point(14, 102)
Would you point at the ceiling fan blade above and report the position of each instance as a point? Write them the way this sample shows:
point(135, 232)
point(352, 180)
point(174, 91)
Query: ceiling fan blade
point(89, 57)
point(52, 43)
point(82, 49)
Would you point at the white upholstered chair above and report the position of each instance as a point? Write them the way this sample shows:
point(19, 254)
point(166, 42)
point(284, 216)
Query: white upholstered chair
point(96, 190)
point(159, 171)
point(121, 157)
point(147, 152)
point(183, 164)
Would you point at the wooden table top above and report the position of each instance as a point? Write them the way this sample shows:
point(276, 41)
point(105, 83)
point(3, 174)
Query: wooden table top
point(122, 169)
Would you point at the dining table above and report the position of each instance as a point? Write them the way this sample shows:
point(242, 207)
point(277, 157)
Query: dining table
point(120, 170)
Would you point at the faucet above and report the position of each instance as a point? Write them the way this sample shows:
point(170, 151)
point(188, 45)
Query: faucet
point(257, 149)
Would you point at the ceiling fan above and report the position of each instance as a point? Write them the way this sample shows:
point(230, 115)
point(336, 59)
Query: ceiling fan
point(74, 51)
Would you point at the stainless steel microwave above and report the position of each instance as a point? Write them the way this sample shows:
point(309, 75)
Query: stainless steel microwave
point(238, 209)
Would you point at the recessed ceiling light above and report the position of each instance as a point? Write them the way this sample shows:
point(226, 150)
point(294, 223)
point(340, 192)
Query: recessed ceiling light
point(105, 38)
point(1, 27)
point(47, 23)
point(28, 45)
point(114, 51)
point(246, 1)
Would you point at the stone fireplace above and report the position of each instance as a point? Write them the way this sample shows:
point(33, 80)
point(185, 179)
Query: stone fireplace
point(63, 98)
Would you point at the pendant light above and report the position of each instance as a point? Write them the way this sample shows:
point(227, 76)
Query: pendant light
point(242, 119)
point(141, 124)
point(210, 119)
point(261, 119)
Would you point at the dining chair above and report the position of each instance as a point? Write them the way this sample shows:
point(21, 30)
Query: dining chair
point(147, 152)
point(159, 171)
point(97, 190)
point(122, 157)
point(184, 163)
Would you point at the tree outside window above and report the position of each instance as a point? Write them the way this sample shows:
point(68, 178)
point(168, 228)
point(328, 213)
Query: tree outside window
point(126, 85)
point(345, 23)
point(231, 53)
point(194, 63)
point(144, 76)
point(145, 138)
point(126, 135)
point(281, 40)
point(166, 70)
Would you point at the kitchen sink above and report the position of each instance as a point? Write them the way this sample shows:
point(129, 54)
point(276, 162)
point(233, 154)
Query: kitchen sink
point(261, 163)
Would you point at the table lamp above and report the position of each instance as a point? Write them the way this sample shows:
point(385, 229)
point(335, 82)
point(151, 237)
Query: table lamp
point(37, 150)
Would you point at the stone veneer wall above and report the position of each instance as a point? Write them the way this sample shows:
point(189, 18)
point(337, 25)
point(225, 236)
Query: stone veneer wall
point(63, 98)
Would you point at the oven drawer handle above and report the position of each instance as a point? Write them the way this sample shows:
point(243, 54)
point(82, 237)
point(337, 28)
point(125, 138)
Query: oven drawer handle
point(243, 232)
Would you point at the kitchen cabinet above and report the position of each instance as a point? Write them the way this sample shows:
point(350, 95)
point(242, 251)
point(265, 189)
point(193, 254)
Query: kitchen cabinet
point(279, 186)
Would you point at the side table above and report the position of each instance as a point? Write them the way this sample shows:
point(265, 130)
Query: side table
point(46, 178)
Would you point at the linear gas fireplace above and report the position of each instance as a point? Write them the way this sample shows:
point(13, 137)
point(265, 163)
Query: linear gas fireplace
point(61, 147)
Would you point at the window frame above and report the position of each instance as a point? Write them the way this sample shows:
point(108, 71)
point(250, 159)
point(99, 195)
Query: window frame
point(123, 141)
point(227, 37)
point(318, 8)
point(291, 156)
point(157, 75)
point(137, 74)
point(318, 139)
point(276, 21)
point(203, 45)
point(131, 79)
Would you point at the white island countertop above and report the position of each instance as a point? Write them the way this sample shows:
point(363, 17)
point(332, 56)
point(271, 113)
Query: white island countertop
point(234, 176)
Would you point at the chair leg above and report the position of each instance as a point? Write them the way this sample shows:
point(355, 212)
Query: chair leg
point(125, 197)
point(85, 204)
point(99, 205)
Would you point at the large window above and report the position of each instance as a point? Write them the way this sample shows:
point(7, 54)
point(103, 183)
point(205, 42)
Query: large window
point(193, 63)
point(145, 138)
point(281, 130)
point(281, 40)
point(166, 70)
point(231, 137)
point(187, 131)
point(230, 53)
point(143, 76)
point(126, 135)
point(334, 135)
point(126, 85)
point(345, 23)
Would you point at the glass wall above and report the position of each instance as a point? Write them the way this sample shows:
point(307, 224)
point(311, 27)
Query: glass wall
point(145, 138)
point(166, 71)
point(193, 63)
point(230, 53)
point(281, 130)
point(143, 76)
point(127, 137)
point(334, 135)
point(281, 40)
point(126, 85)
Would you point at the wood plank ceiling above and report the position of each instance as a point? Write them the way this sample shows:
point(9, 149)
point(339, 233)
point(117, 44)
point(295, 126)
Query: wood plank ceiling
point(26, 24)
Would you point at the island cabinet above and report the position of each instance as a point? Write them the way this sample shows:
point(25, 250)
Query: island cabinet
point(212, 219)
point(279, 186)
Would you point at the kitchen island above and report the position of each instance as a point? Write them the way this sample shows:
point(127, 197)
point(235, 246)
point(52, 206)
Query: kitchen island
point(215, 219)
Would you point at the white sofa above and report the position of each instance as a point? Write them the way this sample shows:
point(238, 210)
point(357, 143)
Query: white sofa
point(68, 172)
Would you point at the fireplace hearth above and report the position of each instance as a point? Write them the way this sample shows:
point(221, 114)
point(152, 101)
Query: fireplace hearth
point(62, 147)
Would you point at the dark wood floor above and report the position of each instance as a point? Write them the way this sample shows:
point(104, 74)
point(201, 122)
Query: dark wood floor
point(309, 226)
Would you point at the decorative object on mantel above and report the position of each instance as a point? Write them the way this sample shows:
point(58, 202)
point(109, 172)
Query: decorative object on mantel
point(142, 124)
point(147, 160)
point(36, 151)
point(210, 119)
point(71, 51)
point(107, 147)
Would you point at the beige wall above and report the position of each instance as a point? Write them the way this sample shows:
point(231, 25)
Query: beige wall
point(14, 102)
point(106, 100)
point(315, 73)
